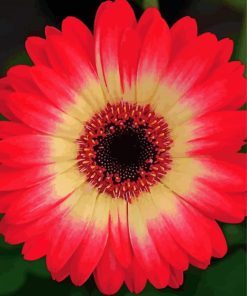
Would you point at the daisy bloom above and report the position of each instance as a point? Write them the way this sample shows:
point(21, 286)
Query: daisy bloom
point(120, 149)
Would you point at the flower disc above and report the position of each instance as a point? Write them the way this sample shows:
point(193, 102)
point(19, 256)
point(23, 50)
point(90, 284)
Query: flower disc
point(125, 150)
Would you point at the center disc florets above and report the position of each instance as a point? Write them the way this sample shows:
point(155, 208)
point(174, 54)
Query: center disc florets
point(124, 149)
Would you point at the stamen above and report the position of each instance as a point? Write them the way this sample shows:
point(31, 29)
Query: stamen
point(125, 150)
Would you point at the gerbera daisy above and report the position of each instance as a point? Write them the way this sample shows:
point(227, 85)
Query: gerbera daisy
point(121, 149)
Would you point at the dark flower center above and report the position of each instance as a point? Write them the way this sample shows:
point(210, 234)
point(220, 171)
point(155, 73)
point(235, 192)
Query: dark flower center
point(124, 150)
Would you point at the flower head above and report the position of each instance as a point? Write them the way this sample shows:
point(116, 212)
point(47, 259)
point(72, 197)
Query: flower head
point(120, 151)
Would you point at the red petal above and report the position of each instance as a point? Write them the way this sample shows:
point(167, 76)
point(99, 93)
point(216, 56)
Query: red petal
point(217, 238)
point(108, 274)
point(216, 205)
point(6, 199)
point(13, 179)
point(145, 251)
point(129, 52)
point(119, 233)
point(111, 20)
point(4, 109)
point(192, 63)
point(188, 231)
point(62, 273)
point(34, 202)
point(152, 64)
point(38, 113)
point(224, 175)
point(216, 130)
point(5, 85)
point(200, 264)
point(62, 95)
point(11, 129)
point(68, 62)
point(167, 246)
point(182, 32)
point(16, 151)
point(16, 234)
point(176, 278)
point(35, 247)
point(74, 229)
point(36, 48)
point(79, 35)
point(92, 246)
point(21, 80)
point(224, 89)
point(225, 49)
point(135, 278)
point(51, 31)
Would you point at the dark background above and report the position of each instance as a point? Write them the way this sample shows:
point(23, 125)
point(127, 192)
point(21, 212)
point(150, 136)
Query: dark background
point(22, 18)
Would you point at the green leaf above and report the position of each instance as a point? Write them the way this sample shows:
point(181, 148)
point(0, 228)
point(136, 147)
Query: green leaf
point(244, 107)
point(18, 59)
point(154, 292)
point(79, 291)
point(150, 3)
point(237, 4)
point(12, 274)
point(40, 287)
point(225, 277)
point(139, 2)
point(38, 267)
point(243, 149)
point(149, 290)
point(240, 45)
point(2, 117)
point(235, 234)
point(121, 292)
point(7, 247)
point(96, 293)
point(192, 278)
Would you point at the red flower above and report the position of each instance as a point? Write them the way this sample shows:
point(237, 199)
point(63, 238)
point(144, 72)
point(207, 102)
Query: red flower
point(121, 149)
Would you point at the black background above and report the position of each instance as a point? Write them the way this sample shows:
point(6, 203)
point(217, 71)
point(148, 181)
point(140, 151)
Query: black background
point(22, 18)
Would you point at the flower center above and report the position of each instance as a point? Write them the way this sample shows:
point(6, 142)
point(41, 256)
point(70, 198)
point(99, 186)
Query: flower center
point(124, 150)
